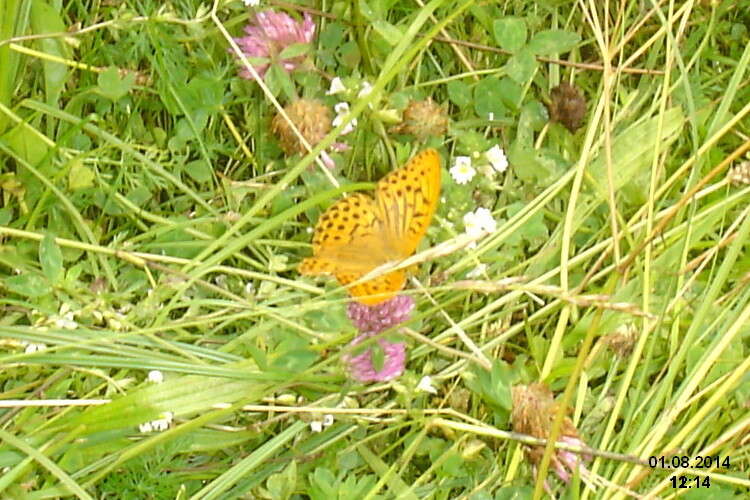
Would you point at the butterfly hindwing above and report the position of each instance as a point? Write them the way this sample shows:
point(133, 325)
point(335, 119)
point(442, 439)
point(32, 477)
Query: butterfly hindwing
point(375, 290)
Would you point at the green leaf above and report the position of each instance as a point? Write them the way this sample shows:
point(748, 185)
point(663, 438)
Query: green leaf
point(45, 19)
point(510, 33)
point(349, 54)
point(278, 81)
point(111, 86)
point(389, 32)
point(199, 170)
point(182, 395)
point(332, 36)
point(28, 285)
point(511, 93)
point(204, 92)
point(521, 66)
point(294, 361)
point(493, 387)
point(488, 98)
point(459, 93)
point(14, 21)
point(51, 259)
point(378, 356)
point(515, 493)
point(6, 214)
point(295, 50)
point(80, 176)
point(282, 485)
point(632, 154)
point(26, 144)
point(550, 42)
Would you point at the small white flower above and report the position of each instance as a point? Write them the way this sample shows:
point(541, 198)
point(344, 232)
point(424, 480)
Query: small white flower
point(65, 324)
point(337, 86)
point(364, 90)
point(479, 222)
point(160, 424)
point(496, 156)
point(462, 172)
point(31, 348)
point(490, 116)
point(425, 384)
point(477, 272)
point(327, 420)
point(342, 109)
point(65, 320)
point(316, 426)
point(251, 3)
point(155, 376)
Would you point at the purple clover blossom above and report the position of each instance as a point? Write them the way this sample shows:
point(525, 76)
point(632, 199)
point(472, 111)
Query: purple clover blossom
point(566, 462)
point(271, 33)
point(361, 365)
point(375, 319)
point(371, 320)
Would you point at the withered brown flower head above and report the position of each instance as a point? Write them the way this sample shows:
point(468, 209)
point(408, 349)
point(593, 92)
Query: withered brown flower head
point(622, 340)
point(567, 106)
point(534, 410)
point(311, 117)
point(423, 119)
point(533, 413)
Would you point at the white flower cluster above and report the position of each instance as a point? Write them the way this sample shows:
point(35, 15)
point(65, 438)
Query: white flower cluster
point(462, 170)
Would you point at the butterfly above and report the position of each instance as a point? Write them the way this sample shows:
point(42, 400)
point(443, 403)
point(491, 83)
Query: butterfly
point(359, 233)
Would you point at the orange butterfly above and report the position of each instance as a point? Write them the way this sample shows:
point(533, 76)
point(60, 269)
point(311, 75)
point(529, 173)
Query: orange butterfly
point(358, 233)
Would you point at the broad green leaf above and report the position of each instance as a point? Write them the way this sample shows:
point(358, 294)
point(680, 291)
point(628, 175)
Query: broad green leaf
point(510, 33)
point(488, 98)
point(282, 485)
point(14, 21)
point(511, 93)
point(44, 19)
point(182, 395)
point(295, 50)
point(80, 176)
point(51, 259)
point(332, 36)
point(550, 42)
point(26, 144)
point(204, 92)
point(349, 54)
point(111, 86)
point(632, 154)
point(459, 93)
point(5, 216)
point(521, 66)
point(278, 81)
point(493, 387)
point(28, 285)
point(199, 170)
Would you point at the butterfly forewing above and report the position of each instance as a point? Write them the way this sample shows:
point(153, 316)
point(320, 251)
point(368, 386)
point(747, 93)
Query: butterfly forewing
point(407, 199)
point(342, 235)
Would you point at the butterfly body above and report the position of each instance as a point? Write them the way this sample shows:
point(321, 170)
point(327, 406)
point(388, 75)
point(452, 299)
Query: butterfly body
point(359, 233)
